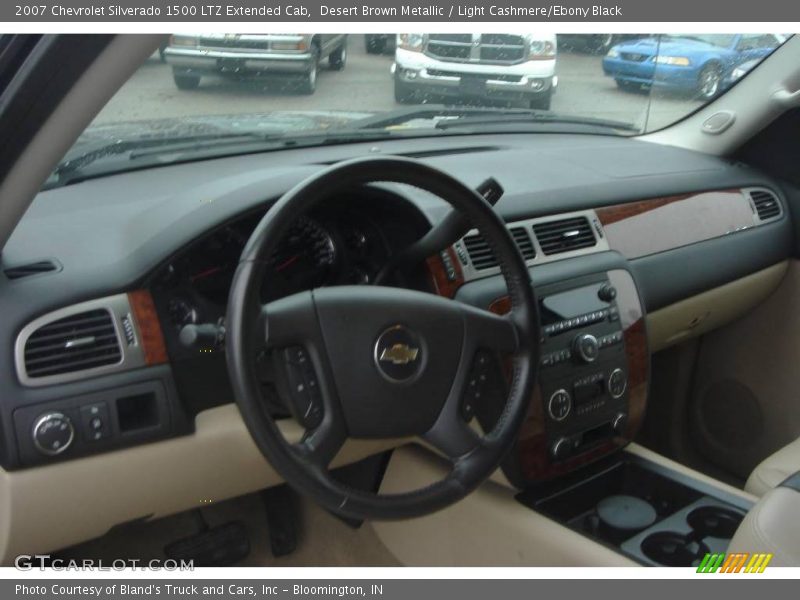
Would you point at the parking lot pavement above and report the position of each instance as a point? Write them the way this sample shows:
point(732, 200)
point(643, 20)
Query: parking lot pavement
point(366, 85)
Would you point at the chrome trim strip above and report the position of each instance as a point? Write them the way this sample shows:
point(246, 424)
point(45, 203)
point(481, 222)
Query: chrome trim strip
point(132, 354)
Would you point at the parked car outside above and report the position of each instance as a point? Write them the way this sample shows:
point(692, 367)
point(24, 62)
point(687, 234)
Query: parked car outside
point(693, 63)
point(596, 43)
point(489, 66)
point(293, 56)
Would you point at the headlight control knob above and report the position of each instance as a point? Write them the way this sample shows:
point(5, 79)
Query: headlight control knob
point(53, 433)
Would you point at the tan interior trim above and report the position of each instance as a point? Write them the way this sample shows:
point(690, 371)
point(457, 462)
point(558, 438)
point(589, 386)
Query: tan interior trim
point(705, 312)
point(55, 506)
point(654, 457)
point(488, 528)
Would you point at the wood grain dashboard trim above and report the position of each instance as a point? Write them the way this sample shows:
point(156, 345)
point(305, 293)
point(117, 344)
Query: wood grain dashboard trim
point(152, 338)
point(647, 227)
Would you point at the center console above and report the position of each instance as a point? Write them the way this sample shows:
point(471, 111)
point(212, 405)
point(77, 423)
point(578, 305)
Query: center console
point(647, 512)
point(592, 384)
point(570, 459)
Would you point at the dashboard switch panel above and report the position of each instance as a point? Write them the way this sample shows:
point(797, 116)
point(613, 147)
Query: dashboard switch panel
point(95, 422)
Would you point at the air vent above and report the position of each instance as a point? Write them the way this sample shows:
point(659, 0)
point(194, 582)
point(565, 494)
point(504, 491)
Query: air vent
point(766, 203)
point(34, 268)
point(76, 343)
point(565, 235)
point(524, 242)
point(482, 256)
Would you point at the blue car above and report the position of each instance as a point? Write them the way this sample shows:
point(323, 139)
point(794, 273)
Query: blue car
point(700, 64)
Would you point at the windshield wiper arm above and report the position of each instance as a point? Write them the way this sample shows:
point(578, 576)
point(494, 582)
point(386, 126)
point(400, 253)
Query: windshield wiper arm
point(86, 154)
point(152, 151)
point(532, 117)
point(451, 117)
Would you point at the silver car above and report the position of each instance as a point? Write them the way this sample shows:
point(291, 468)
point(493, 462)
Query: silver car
point(282, 56)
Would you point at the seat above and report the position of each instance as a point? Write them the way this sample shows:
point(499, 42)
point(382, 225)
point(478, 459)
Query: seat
point(774, 469)
point(773, 525)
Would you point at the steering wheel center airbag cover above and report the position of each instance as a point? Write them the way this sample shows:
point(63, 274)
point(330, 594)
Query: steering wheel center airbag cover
point(397, 395)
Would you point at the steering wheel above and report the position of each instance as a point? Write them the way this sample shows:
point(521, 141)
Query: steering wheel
point(379, 362)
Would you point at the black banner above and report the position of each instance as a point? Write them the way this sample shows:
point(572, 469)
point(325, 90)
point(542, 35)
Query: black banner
point(600, 11)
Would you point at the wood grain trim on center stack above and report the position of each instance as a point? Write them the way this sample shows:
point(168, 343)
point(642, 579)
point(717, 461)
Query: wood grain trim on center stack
point(533, 453)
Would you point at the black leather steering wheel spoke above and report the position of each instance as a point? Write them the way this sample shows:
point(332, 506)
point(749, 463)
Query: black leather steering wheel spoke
point(371, 362)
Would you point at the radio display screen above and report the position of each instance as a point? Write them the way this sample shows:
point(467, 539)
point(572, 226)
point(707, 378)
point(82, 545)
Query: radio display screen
point(572, 303)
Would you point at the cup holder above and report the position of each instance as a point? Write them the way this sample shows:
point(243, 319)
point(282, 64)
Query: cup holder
point(673, 549)
point(714, 521)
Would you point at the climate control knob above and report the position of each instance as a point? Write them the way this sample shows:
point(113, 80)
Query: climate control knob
point(586, 347)
point(559, 405)
point(561, 449)
point(617, 382)
point(619, 422)
point(53, 433)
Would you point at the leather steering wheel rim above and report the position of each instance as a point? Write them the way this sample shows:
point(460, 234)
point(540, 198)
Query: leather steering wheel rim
point(318, 321)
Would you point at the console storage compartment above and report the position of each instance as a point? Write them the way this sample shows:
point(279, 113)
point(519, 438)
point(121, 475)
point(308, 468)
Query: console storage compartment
point(648, 512)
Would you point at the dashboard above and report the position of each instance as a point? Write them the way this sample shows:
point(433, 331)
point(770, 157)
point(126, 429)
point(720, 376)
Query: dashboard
point(344, 242)
point(160, 252)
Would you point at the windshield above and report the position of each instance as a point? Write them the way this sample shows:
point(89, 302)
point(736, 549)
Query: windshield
point(225, 93)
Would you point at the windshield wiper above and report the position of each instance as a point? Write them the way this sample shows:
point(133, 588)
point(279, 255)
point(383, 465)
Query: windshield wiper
point(103, 158)
point(445, 117)
point(533, 117)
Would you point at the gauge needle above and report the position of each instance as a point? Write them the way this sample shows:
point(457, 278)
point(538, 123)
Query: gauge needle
point(205, 273)
point(288, 262)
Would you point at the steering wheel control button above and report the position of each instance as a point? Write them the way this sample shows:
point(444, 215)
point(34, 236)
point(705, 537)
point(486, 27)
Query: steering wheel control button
point(560, 405)
point(95, 422)
point(617, 382)
point(477, 387)
point(399, 354)
point(303, 387)
point(586, 347)
point(53, 433)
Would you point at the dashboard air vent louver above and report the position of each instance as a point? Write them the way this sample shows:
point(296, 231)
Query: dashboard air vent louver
point(75, 343)
point(524, 242)
point(564, 235)
point(482, 256)
point(766, 203)
point(479, 252)
point(34, 268)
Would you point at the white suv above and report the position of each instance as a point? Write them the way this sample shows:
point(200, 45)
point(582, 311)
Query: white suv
point(488, 66)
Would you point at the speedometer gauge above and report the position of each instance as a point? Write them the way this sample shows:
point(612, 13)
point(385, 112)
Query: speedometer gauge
point(305, 259)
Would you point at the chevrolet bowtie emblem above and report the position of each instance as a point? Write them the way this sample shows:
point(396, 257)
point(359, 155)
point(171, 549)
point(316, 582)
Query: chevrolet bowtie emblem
point(399, 354)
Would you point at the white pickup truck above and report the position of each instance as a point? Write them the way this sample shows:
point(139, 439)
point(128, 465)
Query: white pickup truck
point(485, 66)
